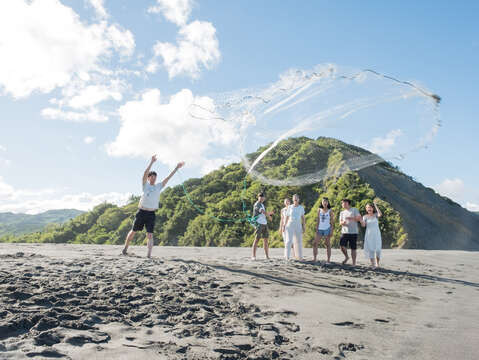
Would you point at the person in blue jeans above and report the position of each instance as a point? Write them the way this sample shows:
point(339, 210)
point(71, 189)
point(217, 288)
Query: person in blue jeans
point(324, 228)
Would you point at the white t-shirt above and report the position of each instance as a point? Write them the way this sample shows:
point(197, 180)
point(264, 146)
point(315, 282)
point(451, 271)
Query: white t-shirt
point(295, 213)
point(261, 217)
point(352, 226)
point(150, 199)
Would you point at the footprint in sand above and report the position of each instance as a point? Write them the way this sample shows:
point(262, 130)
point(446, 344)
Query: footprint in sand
point(350, 324)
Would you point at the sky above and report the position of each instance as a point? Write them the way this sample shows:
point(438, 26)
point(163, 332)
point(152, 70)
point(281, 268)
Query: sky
point(90, 89)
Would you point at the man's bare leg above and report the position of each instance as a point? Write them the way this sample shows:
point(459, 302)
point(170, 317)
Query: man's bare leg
point(255, 246)
point(345, 252)
point(266, 248)
point(130, 236)
point(353, 255)
point(377, 259)
point(149, 244)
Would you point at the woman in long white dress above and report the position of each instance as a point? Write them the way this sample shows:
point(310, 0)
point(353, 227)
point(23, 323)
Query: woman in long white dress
point(294, 228)
point(372, 238)
point(282, 223)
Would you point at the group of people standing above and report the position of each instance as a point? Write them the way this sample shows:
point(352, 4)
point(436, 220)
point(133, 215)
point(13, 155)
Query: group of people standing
point(292, 227)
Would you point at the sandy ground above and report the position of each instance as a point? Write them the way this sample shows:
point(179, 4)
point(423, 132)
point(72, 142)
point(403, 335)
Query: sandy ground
point(89, 302)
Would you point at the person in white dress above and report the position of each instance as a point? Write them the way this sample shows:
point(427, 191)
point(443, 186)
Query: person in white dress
point(372, 238)
point(284, 210)
point(294, 228)
point(324, 228)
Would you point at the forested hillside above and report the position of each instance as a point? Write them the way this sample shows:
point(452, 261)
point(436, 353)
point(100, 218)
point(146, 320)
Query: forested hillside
point(209, 211)
point(17, 224)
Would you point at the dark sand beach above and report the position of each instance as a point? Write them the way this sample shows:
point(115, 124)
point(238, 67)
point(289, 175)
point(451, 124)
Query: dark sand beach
point(89, 302)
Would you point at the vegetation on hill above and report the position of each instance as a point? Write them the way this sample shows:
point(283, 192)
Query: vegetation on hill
point(212, 213)
point(18, 224)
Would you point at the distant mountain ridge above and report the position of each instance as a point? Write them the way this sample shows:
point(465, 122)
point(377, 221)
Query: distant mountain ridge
point(18, 224)
point(414, 216)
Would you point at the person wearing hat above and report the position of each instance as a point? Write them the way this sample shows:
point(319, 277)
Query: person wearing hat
point(261, 226)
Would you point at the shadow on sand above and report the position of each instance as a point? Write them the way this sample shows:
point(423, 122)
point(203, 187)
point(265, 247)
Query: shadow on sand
point(331, 268)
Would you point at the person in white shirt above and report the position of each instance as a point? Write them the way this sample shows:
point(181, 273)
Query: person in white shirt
point(348, 219)
point(295, 227)
point(149, 203)
point(284, 211)
point(324, 228)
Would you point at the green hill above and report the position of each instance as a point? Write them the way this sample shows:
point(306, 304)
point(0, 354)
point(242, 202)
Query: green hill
point(18, 224)
point(414, 216)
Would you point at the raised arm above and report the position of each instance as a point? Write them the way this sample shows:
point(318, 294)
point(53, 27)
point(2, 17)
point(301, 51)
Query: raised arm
point(377, 209)
point(145, 174)
point(166, 179)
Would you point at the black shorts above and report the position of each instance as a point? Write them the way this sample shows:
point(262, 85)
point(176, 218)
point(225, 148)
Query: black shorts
point(144, 218)
point(261, 232)
point(349, 238)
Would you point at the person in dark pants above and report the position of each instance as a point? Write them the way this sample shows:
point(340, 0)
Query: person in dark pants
point(149, 202)
point(348, 219)
point(261, 231)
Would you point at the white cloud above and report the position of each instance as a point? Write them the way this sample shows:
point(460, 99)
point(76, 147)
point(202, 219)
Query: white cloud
point(151, 125)
point(4, 161)
point(88, 139)
point(197, 47)
point(456, 190)
point(99, 8)
point(176, 11)
point(209, 165)
point(472, 207)
point(5, 190)
point(92, 95)
point(452, 188)
point(79, 100)
point(39, 200)
point(92, 115)
point(383, 145)
point(44, 45)
point(121, 40)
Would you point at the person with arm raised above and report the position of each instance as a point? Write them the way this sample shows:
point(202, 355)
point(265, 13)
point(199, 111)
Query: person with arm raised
point(149, 203)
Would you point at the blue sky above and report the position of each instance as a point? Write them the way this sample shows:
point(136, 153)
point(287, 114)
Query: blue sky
point(83, 81)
